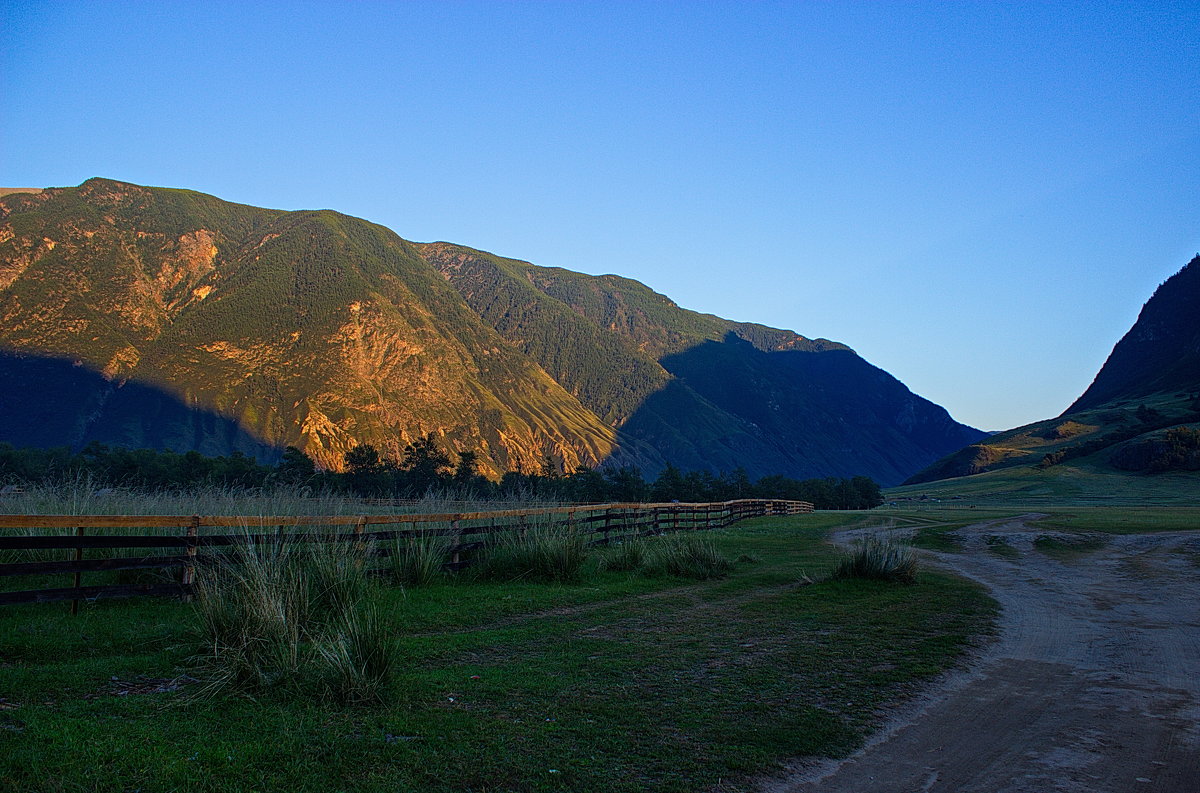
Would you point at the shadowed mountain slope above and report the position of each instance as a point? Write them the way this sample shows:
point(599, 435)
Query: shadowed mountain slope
point(1160, 353)
point(1149, 384)
point(705, 392)
point(191, 322)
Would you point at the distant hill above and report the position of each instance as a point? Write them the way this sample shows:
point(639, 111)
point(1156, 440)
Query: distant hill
point(171, 319)
point(1149, 384)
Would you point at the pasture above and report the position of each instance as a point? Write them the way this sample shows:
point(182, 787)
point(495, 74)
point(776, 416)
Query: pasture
point(622, 677)
point(618, 680)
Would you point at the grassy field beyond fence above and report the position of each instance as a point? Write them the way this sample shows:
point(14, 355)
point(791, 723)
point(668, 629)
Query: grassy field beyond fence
point(618, 681)
point(77, 544)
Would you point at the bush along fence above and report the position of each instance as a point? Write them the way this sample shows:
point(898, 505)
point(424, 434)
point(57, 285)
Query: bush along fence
point(54, 545)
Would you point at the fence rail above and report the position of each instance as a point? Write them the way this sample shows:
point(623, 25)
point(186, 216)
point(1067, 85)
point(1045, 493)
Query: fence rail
point(182, 538)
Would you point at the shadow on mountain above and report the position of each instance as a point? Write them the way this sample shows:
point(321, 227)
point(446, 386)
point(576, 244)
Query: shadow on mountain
point(799, 413)
point(49, 402)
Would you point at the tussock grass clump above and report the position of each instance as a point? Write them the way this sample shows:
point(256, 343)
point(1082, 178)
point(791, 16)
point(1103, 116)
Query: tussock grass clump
point(549, 554)
point(418, 560)
point(624, 556)
point(356, 661)
point(880, 560)
point(292, 617)
point(689, 555)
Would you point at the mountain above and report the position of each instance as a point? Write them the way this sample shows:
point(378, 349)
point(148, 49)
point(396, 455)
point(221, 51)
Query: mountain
point(703, 391)
point(1149, 385)
point(1161, 352)
point(168, 318)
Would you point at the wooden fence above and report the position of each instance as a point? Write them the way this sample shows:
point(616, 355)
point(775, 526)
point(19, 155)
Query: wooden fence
point(181, 539)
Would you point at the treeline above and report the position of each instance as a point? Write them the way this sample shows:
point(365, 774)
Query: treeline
point(421, 468)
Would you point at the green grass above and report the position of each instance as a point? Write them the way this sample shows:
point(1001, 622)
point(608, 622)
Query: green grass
point(1001, 547)
point(1123, 520)
point(301, 617)
point(1067, 547)
point(418, 560)
point(937, 538)
point(1087, 481)
point(620, 682)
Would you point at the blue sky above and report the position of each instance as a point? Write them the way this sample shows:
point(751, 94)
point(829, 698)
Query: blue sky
point(978, 197)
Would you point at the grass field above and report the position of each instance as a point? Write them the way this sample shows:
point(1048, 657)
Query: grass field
point(1082, 482)
point(1123, 520)
point(622, 682)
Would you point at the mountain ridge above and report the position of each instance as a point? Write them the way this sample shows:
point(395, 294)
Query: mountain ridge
point(1160, 353)
point(318, 330)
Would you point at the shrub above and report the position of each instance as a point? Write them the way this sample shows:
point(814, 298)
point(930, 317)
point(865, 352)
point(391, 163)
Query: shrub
point(881, 560)
point(690, 555)
point(1177, 449)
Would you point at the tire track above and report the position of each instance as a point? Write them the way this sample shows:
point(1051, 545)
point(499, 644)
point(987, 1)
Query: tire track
point(1093, 684)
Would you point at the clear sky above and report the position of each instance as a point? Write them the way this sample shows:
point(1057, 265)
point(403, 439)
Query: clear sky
point(977, 197)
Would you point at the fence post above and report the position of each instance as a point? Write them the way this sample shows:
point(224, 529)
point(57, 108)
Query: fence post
point(456, 533)
point(78, 574)
point(360, 544)
point(188, 579)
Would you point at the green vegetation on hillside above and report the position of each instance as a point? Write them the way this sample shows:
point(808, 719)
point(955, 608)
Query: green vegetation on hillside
point(170, 319)
point(1109, 436)
point(1089, 481)
point(699, 390)
point(1176, 449)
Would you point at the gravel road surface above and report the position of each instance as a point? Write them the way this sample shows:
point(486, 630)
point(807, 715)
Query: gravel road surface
point(1092, 686)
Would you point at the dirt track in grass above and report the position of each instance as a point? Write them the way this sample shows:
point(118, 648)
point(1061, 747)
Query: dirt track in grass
point(1093, 684)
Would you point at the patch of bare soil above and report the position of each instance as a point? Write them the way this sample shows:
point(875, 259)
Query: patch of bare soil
point(1093, 684)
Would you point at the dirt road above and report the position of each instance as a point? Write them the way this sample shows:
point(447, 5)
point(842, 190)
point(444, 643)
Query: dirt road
point(1093, 684)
